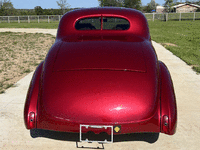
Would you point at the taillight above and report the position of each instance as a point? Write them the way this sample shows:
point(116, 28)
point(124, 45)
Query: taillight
point(31, 120)
point(165, 124)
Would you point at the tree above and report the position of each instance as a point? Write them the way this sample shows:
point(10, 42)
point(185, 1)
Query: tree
point(136, 4)
point(7, 8)
point(7, 4)
point(150, 6)
point(63, 5)
point(38, 10)
point(168, 4)
point(113, 3)
point(177, 3)
point(188, 2)
point(198, 3)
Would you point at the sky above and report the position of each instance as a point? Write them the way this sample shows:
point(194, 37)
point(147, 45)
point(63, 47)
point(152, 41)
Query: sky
point(47, 4)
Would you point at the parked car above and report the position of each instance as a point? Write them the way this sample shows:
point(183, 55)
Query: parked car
point(102, 75)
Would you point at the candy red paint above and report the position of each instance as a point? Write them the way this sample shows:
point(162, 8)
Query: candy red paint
point(102, 77)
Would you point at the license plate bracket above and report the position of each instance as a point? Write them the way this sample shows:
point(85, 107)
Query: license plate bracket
point(96, 127)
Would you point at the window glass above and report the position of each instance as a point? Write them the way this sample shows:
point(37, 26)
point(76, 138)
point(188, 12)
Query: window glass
point(113, 23)
point(109, 23)
point(93, 23)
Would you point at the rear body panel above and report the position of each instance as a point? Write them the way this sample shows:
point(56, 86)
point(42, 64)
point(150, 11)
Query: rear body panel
point(98, 97)
point(101, 94)
point(93, 93)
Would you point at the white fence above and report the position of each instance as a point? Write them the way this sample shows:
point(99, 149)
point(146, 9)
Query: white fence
point(30, 19)
point(173, 16)
point(56, 18)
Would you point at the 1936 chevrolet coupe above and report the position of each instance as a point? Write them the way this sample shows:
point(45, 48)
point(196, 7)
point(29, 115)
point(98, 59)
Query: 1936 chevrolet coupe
point(102, 75)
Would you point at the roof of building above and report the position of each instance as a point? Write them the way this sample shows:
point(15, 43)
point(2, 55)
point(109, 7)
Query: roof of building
point(180, 5)
point(159, 7)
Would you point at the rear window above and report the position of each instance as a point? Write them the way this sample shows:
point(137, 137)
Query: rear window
point(89, 24)
point(109, 23)
point(113, 23)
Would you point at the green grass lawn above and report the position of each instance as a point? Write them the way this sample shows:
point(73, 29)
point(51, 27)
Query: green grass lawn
point(185, 34)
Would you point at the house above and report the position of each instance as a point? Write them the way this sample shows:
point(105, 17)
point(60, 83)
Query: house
point(160, 9)
point(185, 8)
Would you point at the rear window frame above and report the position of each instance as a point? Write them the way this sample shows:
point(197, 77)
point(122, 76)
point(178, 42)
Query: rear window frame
point(102, 16)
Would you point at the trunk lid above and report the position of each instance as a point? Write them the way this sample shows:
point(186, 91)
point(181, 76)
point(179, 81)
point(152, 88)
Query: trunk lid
point(99, 82)
point(112, 55)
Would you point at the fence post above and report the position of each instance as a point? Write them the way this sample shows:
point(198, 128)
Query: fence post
point(28, 20)
point(153, 16)
point(180, 17)
point(38, 20)
point(166, 17)
point(48, 19)
point(194, 17)
point(59, 18)
point(8, 20)
point(18, 20)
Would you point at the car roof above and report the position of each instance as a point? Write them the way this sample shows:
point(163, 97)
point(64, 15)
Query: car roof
point(138, 22)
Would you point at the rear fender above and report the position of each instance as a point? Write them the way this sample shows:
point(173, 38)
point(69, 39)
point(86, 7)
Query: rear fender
point(30, 108)
point(168, 102)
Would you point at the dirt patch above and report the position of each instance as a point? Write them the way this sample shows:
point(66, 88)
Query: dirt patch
point(168, 44)
point(20, 53)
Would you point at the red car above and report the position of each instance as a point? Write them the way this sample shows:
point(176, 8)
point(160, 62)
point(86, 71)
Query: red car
point(102, 75)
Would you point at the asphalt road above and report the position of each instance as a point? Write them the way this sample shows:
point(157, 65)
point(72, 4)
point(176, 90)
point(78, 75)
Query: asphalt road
point(13, 134)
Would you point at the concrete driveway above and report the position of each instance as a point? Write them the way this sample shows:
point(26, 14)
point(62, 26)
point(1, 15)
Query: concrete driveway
point(13, 134)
